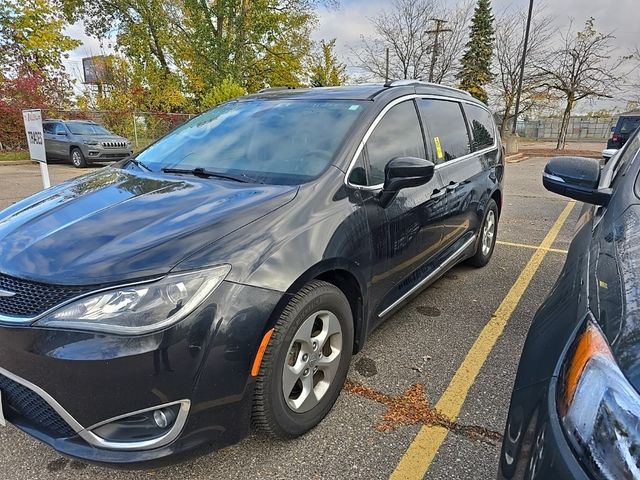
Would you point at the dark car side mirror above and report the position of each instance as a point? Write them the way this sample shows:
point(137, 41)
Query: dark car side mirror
point(577, 178)
point(61, 133)
point(404, 172)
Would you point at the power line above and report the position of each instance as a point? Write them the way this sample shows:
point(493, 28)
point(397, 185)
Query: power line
point(434, 54)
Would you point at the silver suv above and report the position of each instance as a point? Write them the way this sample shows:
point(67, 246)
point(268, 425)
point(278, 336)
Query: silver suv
point(83, 142)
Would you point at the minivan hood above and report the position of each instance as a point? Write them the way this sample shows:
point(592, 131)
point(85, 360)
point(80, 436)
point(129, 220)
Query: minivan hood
point(116, 225)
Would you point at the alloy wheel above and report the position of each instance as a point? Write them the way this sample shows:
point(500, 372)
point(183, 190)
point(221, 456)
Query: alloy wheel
point(312, 361)
point(488, 233)
point(76, 159)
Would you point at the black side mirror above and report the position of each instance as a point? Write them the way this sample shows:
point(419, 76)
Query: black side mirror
point(404, 172)
point(577, 178)
point(59, 132)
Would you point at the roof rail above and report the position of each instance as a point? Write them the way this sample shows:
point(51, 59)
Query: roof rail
point(404, 83)
point(275, 89)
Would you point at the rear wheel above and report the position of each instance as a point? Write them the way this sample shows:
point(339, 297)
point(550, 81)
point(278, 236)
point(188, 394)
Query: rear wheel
point(77, 158)
point(305, 363)
point(488, 234)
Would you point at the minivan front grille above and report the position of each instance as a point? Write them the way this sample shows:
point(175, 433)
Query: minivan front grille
point(23, 298)
point(33, 408)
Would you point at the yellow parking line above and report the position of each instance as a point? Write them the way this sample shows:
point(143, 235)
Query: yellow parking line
point(533, 247)
point(416, 461)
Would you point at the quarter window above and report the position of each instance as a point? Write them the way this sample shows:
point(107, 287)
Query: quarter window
point(482, 129)
point(446, 127)
point(397, 135)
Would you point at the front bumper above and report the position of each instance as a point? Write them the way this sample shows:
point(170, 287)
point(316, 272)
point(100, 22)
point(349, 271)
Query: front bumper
point(59, 385)
point(534, 444)
point(100, 154)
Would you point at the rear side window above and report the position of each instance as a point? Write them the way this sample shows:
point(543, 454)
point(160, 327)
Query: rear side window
point(397, 135)
point(482, 129)
point(48, 128)
point(446, 127)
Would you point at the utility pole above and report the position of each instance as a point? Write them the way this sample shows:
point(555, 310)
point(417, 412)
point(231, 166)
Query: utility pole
point(434, 53)
point(522, 64)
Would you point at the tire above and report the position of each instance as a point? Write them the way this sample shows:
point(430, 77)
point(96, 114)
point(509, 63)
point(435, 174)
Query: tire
point(77, 158)
point(485, 250)
point(317, 303)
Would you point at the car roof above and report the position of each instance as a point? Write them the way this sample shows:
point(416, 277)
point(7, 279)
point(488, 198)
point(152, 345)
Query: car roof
point(362, 91)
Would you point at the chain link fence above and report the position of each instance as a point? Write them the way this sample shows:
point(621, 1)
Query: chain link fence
point(141, 128)
point(580, 128)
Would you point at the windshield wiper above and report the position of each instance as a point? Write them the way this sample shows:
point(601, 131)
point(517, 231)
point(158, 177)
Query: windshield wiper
point(138, 163)
point(201, 172)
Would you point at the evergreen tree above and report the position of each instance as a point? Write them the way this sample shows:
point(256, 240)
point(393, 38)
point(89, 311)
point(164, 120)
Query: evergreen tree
point(475, 71)
point(324, 68)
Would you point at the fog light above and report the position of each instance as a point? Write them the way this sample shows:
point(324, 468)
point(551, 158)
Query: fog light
point(139, 426)
point(164, 417)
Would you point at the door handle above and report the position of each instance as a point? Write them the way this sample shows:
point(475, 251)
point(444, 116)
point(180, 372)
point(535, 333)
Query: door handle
point(437, 193)
point(452, 185)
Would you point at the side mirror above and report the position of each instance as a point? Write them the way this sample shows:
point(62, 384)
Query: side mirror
point(404, 172)
point(577, 178)
point(608, 153)
point(61, 133)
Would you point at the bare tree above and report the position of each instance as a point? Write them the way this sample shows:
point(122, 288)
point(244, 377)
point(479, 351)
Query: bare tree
point(404, 30)
point(509, 42)
point(583, 67)
point(401, 29)
point(452, 44)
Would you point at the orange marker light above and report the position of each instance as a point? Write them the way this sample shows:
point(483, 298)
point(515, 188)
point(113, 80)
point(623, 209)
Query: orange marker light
point(263, 346)
point(591, 343)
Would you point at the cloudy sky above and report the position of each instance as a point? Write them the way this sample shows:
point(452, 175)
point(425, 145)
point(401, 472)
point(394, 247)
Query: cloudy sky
point(352, 19)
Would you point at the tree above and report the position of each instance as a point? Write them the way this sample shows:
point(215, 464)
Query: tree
point(582, 68)
point(475, 72)
point(32, 42)
point(32, 49)
point(402, 29)
point(324, 68)
point(509, 42)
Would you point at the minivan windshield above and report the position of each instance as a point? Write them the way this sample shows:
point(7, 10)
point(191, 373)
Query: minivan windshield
point(81, 128)
point(268, 141)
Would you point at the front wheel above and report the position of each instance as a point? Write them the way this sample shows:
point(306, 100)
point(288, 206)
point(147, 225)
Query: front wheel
point(488, 234)
point(77, 158)
point(306, 362)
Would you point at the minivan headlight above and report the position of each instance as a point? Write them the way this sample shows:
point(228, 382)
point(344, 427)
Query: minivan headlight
point(599, 409)
point(141, 308)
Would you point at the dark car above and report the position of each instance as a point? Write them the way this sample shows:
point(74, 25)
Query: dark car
point(575, 407)
point(227, 273)
point(83, 142)
point(627, 124)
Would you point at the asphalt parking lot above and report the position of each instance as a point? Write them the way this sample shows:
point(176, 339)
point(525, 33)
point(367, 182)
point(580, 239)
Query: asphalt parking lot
point(429, 393)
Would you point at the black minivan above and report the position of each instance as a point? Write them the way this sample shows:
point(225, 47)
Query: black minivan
point(226, 274)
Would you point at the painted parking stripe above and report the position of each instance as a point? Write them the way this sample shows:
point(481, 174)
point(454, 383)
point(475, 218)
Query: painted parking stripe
point(416, 461)
point(532, 247)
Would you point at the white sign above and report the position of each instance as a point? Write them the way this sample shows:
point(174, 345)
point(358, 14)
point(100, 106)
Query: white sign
point(35, 135)
point(35, 139)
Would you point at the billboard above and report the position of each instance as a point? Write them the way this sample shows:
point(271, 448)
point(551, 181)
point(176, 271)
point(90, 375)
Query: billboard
point(95, 70)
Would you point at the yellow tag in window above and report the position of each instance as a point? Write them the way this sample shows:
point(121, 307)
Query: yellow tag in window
point(439, 153)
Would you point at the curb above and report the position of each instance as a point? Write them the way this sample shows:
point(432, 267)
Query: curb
point(516, 158)
point(6, 163)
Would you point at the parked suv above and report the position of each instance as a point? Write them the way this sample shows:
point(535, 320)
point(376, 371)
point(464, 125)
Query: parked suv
point(83, 142)
point(627, 124)
point(228, 272)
